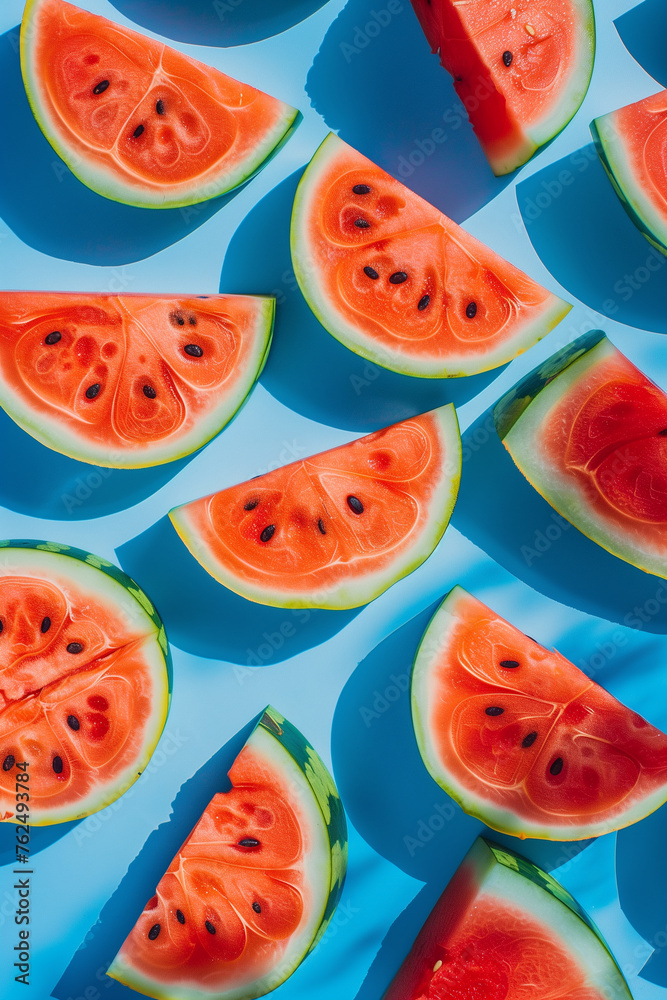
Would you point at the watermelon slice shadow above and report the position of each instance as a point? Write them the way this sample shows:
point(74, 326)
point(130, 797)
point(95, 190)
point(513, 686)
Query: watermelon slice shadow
point(643, 31)
point(583, 235)
point(499, 511)
point(205, 618)
point(48, 208)
point(307, 369)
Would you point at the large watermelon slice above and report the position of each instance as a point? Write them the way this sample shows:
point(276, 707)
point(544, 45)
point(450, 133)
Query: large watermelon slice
point(503, 929)
point(522, 738)
point(521, 69)
point(632, 144)
point(398, 282)
point(137, 121)
point(334, 530)
point(254, 886)
point(589, 431)
point(132, 380)
point(84, 681)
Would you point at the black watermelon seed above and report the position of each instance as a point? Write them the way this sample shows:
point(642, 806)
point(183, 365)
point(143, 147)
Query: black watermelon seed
point(268, 533)
point(528, 740)
point(250, 505)
point(355, 505)
point(8, 762)
point(509, 664)
point(507, 57)
point(93, 390)
point(179, 319)
point(180, 916)
point(459, 79)
point(557, 766)
point(138, 131)
point(361, 189)
point(53, 338)
point(320, 525)
point(1, 626)
point(663, 433)
point(471, 310)
point(153, 932)
point(209, 927)
point(194, 350)
point(57, 765)
point(257, 908)
point(100, 87)
point(74, 647)
point(494, 710)
point(362, 224)
point(398, 277)
point(149, 392)
point(248, 842)
point(159, 107)
point(46, 625)
point(192, 320)
point(372, 273)
point(73, 723)
point(423, 302)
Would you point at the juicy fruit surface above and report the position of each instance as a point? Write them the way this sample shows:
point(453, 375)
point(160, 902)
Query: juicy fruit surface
point(123, 380)
point(414, 291)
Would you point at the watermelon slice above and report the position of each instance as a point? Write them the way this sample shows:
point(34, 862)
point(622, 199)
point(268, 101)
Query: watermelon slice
point(254, 886)
point(334, 530)
point(137, 121)
point(503, 928)
point(632, 144)
point(133, 380)
point(524, 740)
point(589, 432)
point(399, 283)
point(85, 680)
point(521, 69)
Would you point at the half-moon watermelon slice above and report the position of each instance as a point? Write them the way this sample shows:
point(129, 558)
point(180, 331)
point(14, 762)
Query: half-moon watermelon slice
point(337, 529)
point(137, 121)
point(128, 381)
point(399, 283)
point(85, 680)
point(632, 144)
point(521, 69)
point(503, 929)
point(589, 432)
point(522, 738)
point(254, 886)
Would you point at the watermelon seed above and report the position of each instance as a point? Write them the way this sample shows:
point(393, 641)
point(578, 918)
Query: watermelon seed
point(250, 505)
point(100, 87)
point(52, 338)
point(57, 765)
point(180, 916)
point(423, 302)
point(209, 927)
point(371, 273)
point(73, 723)
point(153, 932)
point(507, 58)
point(320, 525)
point(438, 965)
point(362, 224)
point(159, 107)
point(355, 505)
point(528, 740)
point(471, 310)
point(194, 350)
point(138, 131)
point(248, 842)
point(149, 392)
point(494, 710)
point(177, 318)
point(530, 29)
point(361, 189)
point(74, 647)
point(509, 664)
point(398, 277)
point(192, 320)
point(557, 766)
point(93, 390)
point(662, 433)
point(257, 908)
point(1, 626)
point(46, 625)
point(8, 762)
point(268, 533)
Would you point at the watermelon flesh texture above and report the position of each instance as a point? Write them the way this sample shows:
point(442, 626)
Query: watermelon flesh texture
point(589, 431)
point(84, 680)
point(255, 884)
point(632, 144)
point(140, 122)
point(522, 738)
point(521, 68)
point(133, 380)
point(503, 929)
point(334, 530)
point(399, 283)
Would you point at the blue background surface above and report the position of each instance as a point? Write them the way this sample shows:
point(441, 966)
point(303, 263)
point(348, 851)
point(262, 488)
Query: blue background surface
point(340, 677)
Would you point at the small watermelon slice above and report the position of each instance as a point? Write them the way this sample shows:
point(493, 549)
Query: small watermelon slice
point(85, 681)
point(253, 887)
point(589, 432)
point(522, 738)
point(399, 283)
point(503, 928)
point(632, 144)
point(128, 381)
point(337, 529)
point(521, 68)
point(137, 121)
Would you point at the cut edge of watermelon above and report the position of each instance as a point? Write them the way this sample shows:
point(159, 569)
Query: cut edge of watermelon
point(528, 335)
point(77, 447)
point(357, 592)
point(106, 183)
point(612, 151)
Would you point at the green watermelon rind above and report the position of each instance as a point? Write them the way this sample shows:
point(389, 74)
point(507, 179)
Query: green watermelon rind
point(339, 328)
point(311, 781)
point(95, 572)
point(355, 592)
point(107, 184)
point(58, 438)
point(432, 648)
point(518, 417)
point(629, 188)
